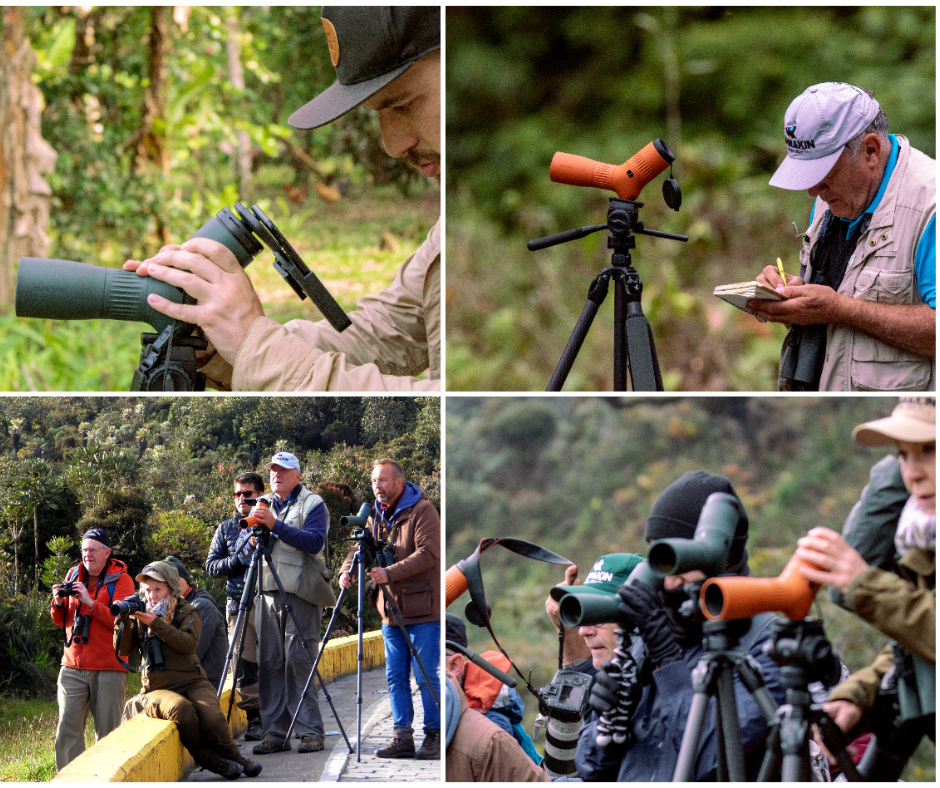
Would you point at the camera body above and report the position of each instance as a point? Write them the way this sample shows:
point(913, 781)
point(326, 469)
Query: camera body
point(128, 605)
point(564, 702)
point(66, 589)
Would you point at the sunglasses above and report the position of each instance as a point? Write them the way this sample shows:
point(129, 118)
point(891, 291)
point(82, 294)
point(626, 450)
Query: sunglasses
point(245, 494)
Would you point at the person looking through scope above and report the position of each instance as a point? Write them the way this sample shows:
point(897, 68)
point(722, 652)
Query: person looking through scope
point(862, 309)
point(91, 677)
point(166, 628)
point(673, 643)
point(387, 59)
point(901, 606)
point(406, 522)
point(229, 556)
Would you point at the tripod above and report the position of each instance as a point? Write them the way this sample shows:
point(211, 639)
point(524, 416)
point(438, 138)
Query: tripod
point(254, 575)
point(804, 656)
point(713, 677)
point(364, 558)
point(634, 349)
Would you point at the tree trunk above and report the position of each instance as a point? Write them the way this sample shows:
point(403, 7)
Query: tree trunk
point(237, 78)
point(25, 157)
point(36, 548)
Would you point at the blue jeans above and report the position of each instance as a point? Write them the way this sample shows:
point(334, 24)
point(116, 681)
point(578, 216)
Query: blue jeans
point(398, 660)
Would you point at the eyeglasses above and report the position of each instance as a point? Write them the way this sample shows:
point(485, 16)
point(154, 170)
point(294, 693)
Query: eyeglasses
point(245, 494)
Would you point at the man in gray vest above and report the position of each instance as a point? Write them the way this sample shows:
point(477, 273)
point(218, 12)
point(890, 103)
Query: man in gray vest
point(862, 309)
point(298, 521)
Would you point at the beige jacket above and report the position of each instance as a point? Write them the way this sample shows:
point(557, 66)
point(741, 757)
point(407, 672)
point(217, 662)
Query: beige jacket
point(881, 270)
point(395, 336)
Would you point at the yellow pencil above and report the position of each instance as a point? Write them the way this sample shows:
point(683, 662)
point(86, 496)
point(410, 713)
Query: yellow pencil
point(783, 276)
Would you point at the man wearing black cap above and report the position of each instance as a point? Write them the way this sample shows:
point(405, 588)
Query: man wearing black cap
point(674, 645)
point(387, 59)
point(91, 677)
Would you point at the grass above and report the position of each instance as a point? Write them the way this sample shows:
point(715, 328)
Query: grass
point(27, 736)
point(354, 246)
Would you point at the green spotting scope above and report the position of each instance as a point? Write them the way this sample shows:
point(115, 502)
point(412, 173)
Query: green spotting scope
point(577, 610)
point(708, 549)
point(67, 290)
point(357, 520)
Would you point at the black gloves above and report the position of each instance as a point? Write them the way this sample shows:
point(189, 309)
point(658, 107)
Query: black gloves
point(605, 688)
point(642, 605)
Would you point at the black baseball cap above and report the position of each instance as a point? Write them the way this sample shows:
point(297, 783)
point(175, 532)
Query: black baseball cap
point(370, 46)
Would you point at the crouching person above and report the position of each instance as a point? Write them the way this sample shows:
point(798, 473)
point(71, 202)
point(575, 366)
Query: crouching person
point(174, 685)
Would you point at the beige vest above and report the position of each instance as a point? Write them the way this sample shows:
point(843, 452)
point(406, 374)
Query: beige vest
point(301, 573)
point(882, 270)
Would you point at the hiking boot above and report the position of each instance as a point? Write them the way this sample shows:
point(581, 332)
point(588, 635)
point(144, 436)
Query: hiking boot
point(431, 747)
point(251, 768)
point(254, 732)
point(268, 746)
point(401, 747)
point(310, 744)
point(223, 767)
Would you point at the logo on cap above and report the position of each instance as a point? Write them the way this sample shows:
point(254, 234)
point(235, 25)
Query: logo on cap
point(332, 41)
point(791, 131)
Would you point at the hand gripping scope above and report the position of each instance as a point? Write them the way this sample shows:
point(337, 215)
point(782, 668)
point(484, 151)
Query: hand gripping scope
point(66, 290)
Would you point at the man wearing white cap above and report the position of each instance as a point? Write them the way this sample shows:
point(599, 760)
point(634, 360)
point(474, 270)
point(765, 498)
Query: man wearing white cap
point(862, 309)
point(298, 521)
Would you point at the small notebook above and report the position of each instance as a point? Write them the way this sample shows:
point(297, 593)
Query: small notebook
point(739, 293)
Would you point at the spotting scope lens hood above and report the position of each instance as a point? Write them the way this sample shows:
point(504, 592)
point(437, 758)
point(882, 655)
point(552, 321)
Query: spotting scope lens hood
point(708, 549)
point(357, 520)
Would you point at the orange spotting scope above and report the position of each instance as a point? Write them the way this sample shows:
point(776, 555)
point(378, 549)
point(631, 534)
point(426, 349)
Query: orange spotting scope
point(627, 180)
point(251, 521)
point(733, 598)
point(455, 583)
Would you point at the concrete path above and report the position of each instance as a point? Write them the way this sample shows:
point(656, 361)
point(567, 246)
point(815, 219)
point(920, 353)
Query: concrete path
point(335, 763)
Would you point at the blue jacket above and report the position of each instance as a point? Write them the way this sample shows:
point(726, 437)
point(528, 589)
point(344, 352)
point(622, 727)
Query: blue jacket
point(660, 721)
point(223, 559)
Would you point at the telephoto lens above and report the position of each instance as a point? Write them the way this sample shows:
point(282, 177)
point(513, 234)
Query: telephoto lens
point(128, 605)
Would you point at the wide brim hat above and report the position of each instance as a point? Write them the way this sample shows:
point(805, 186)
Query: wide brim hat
point(606, 576)
point(163, 571)
point(816, 128)
point(913, 420)
point(370, 46)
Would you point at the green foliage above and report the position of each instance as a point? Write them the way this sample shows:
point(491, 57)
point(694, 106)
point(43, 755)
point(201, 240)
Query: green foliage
point(182, 535)
point(29, 638)
point(602, 82)
point(55, 567)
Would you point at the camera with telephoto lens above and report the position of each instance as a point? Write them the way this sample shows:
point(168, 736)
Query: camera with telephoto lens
point(66, 589)
point(564, 702)
point(128, 605)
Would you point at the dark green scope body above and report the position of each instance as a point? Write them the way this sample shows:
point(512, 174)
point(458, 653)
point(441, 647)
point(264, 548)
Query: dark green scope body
point(708, 549)
point(586, 610)
point(358, 520)
point(67, 290)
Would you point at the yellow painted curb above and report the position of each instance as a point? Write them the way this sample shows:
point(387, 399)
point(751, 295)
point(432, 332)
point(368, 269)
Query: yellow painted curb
point(148, 750)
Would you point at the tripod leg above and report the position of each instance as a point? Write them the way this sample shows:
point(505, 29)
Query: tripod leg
point(703, 678)
point(730, 726)
point(596, 295)
point(644, 366)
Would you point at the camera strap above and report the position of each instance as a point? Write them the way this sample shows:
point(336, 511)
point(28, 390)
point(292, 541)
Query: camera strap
point(477, 611)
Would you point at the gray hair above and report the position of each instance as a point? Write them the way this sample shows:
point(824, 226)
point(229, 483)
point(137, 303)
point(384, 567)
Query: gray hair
point(878, 126)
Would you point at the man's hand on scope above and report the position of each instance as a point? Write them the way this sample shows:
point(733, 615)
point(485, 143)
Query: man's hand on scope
point(551, 606)
point(643, 606)
point(210, 273)
point(264, 516)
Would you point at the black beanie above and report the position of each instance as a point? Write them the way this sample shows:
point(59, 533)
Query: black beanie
point(456, 631)
point(675, 513)
point(99, 535)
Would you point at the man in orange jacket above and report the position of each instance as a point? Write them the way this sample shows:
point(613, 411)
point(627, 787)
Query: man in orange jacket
point(91, 677)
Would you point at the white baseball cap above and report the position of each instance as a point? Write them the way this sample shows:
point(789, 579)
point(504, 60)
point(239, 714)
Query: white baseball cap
point(285, 459)
point(816, 127)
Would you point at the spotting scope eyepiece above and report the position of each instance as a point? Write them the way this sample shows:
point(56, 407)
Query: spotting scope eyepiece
point(708, 549)
point(577, 610)
point(357, 520)
point(627, 180)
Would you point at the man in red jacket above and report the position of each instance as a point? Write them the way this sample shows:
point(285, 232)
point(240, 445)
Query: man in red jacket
point(91, 677)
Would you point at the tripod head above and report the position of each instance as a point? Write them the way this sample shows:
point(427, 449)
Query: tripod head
point(803, 653)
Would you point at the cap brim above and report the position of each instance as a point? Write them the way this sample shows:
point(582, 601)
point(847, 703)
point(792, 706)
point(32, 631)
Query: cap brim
point(895, 428)
point(338, 99)
point(800, 174)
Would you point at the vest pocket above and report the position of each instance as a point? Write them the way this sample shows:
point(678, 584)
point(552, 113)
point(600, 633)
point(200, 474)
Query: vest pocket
point(415, 598)
point(290, 565)
point(876, 366)
point(885, 287)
